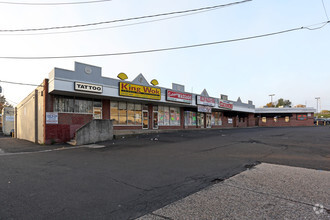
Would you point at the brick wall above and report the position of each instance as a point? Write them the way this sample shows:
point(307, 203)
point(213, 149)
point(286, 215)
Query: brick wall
point(105, 109)
point(67, 125)
point(281, 121)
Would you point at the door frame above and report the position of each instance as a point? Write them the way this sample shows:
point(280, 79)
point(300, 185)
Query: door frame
point(143, 111)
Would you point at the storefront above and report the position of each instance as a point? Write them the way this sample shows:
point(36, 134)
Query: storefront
point(71, 98)
point(281, 117)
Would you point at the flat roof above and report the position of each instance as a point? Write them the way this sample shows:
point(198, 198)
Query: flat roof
point(284, 110)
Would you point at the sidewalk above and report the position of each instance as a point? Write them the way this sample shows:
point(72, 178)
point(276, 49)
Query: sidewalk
point(13, 145)
point(266, 191)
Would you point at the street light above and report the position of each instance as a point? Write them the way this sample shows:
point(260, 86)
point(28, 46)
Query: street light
point(317, 104)
point(271, 98)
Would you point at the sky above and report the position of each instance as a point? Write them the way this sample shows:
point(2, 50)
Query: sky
point(293, 65)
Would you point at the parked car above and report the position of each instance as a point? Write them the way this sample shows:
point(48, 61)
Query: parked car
point(321, 121)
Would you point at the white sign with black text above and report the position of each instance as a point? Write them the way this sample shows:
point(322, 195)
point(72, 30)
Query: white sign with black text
point(85, 87)
point(51, 118)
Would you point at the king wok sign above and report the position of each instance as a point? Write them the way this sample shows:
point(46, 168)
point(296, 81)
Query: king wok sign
point(138, 91)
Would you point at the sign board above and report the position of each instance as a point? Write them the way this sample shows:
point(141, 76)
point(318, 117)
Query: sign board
point(301, 117)
point(85, 87)
point(178, 87)
point(205, 109)
point(230, 120)
point(51, 118)
point(223, 97)
point(202, 100)
point(226, 104)
point(178, 97)
point(9, 118)
point(138, 91)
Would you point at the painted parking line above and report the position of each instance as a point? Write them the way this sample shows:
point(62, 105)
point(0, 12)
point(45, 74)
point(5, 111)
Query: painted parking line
point(94, 146)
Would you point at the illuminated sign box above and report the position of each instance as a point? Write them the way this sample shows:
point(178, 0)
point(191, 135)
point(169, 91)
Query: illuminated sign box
point(225, 104)
point(202, 100)
point(138, 91)
point(178, 97)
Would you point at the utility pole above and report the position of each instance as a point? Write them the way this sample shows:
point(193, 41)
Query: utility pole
point(317, 104)
point(271, 98)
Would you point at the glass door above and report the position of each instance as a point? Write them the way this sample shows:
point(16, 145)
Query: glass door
point(208, 120)
point(155, 120)
point(201, 120)
point(145, 119)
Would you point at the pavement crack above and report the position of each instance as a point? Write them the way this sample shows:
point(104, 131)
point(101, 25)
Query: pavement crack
point(128, 184)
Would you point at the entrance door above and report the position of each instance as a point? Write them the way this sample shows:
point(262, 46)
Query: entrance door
point(155, 120)
point(201, 120)
point(97, 112)
point(145, 119)
point(208, 120)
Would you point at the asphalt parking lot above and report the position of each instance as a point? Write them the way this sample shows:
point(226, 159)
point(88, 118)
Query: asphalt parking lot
point(133, 176)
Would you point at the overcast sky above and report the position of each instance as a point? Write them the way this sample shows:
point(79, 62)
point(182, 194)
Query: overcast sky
point(292, 65)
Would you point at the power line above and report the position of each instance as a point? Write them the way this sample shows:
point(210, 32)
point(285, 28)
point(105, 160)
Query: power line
point(325, 10)
point(173, 48)
point(103, 28)
point(22, 84)
point(125, 19)
point(53, 3)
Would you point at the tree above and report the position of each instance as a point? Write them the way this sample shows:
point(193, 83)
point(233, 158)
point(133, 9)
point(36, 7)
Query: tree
point(3, 103)
point(270, 105)
point(283, 103)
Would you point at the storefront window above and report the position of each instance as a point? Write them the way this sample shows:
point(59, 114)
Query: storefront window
point(161, 115)
point(130, 114)
point(114, 113)
point(190, 118)
point(122, 113)
point(75, 105)
point(138, 114)
point(83, 106)
point(216, 116)
point(175, 116)
point(125, 113)
point(168, 116)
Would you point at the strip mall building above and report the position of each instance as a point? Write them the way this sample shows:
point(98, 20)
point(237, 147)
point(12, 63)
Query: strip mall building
point(70, 99)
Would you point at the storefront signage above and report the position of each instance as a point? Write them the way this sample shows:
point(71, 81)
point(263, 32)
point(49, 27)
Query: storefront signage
point(225, 104)
point(230, 120)
point(202, 100)
point(301, 117)
point(205, 109)
point(137, 91)
point(51, 118)
point(85, 87)
point(178, 97)
point(10, 118)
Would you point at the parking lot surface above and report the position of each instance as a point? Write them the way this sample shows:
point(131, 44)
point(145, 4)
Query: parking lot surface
point(133, 176)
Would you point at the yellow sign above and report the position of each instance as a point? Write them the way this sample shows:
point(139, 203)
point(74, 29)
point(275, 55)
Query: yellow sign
point(137, 91)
